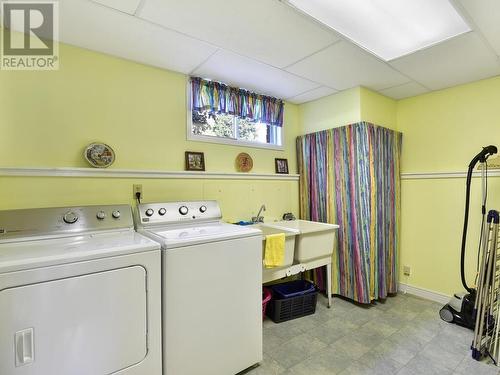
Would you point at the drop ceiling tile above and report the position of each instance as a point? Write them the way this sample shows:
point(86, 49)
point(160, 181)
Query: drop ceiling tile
point(312, 95)
point(486, 16)
point(345, 65)
point(127, 6)
point(88, 25)
point(240, 71)
point(266, 30)
point(405, 90)
point(459, 60)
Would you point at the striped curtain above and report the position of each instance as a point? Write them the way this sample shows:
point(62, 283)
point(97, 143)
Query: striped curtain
point(217, 97)
point(350, 175)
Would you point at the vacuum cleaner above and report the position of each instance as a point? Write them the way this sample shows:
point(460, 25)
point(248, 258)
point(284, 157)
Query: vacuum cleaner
point(460, 309)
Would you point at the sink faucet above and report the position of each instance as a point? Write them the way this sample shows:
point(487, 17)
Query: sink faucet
point(258, 218)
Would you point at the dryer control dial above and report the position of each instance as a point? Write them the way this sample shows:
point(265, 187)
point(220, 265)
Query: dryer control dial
point(162, 211)
point(149, 212)
point(116, 214)
point(101, 215)
point(70, 217)
point(183, 210)
point(203, 209)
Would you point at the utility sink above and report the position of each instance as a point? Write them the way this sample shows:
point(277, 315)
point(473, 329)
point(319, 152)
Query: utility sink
point(289, 241)
point(314, 240)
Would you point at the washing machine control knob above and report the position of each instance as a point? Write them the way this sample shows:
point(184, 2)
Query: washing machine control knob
point(183, 210)
point(70, 217)
point(101, 215)
point(162, 211)
point(116, 214)
point(149, 212)
point(203, 209)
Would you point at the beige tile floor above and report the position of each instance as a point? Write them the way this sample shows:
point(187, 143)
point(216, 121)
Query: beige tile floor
point(402, 335)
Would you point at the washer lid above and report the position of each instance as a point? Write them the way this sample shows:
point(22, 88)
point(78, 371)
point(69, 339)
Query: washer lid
point(172, 236)
point(19, 255)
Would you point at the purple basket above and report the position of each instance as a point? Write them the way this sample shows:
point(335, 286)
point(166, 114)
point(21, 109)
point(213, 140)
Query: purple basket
point(293, 289)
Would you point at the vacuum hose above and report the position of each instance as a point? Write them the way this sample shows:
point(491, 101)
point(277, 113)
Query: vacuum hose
point(481, 157)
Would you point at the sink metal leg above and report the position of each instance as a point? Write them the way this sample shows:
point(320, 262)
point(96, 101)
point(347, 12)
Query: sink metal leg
point(329, 283)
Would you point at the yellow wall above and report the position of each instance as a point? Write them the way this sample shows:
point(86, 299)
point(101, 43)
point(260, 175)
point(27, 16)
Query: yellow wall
point(442, 131)
point(378, 109)
point(331, 111)
point(347, 107)
point(47, 118)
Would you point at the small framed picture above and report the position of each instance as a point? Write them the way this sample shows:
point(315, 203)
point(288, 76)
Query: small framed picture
point(281, 166)
point(195, 161)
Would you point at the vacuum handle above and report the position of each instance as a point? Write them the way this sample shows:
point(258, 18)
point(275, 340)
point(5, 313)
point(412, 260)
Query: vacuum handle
point(483, 155)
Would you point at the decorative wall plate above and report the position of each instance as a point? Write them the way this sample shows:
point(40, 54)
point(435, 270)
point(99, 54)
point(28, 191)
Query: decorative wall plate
point(244, 162)
point(99, 155)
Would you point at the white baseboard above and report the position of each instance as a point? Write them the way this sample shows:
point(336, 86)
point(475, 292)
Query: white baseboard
point(424, 293)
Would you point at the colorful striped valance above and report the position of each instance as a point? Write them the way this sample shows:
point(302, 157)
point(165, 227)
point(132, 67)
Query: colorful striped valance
point(220, 98)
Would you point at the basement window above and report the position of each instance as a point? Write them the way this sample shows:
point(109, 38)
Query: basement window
point(223, 128)
point(216, 126)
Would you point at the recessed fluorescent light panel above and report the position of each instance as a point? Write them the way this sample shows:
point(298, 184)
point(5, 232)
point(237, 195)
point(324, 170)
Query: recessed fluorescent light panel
point(388, 28)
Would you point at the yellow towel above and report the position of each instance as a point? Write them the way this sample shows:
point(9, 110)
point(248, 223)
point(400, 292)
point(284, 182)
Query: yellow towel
point(274, 253)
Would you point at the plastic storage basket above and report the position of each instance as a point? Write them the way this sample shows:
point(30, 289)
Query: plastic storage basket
point(292, 300)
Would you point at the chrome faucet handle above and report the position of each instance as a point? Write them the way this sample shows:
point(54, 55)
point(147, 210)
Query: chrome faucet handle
point(259, 218)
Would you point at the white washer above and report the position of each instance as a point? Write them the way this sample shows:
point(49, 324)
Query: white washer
point(80, 293)
point(212, 288)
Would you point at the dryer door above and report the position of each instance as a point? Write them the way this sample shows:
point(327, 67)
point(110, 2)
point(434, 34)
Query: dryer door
point(84, 325)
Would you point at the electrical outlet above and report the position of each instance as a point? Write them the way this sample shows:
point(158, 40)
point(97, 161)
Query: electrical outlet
point(138, 189)
point(406, 270)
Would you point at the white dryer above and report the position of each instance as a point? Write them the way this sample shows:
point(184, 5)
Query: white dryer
point(80, 293)
point(212, 288)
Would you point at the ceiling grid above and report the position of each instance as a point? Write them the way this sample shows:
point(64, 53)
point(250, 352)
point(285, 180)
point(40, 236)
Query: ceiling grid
point(270, 47)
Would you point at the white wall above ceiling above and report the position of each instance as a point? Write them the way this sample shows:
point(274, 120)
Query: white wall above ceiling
point(486, 15)
point(268, 47)
point(404, 91)
point(89, 25)
point(253, 75)
point(126, 6)
point(344, 65)
point(266, 30)
point(462, 59)
point(312, 95)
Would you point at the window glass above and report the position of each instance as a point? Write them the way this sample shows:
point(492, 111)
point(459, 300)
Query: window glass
point(226, 126)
